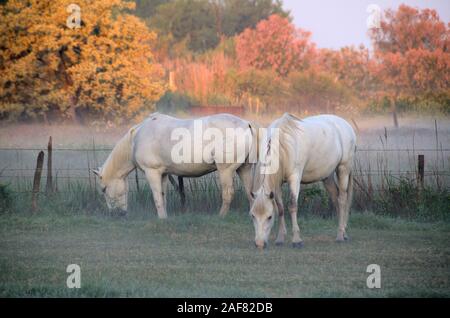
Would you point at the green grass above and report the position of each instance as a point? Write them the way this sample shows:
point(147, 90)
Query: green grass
point(201, 255)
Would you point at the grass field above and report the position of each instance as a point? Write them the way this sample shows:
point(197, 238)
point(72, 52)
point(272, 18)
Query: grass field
point(199, 255)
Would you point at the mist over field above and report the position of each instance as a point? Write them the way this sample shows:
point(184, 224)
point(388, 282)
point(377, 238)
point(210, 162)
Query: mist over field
point(87, 146)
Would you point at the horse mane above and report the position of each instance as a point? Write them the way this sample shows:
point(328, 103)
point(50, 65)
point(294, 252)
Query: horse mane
point(121, 154)
point(287, 125)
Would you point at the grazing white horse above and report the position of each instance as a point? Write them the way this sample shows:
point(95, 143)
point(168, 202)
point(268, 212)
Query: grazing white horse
point(309, 150)
point(149, 146)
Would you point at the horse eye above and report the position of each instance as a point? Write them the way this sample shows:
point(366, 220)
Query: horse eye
point(104, 189)
point(269, 218)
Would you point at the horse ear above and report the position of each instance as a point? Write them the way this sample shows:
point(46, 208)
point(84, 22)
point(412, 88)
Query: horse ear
point(271, 195)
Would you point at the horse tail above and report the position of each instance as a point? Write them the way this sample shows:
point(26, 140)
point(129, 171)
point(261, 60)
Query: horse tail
point(180, 189)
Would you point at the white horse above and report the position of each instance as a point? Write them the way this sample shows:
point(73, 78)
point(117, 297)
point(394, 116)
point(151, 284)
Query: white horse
point(309, 150)
point(149, 146)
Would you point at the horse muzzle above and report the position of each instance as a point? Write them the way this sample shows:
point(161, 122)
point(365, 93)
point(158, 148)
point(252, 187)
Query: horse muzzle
point(260, 244)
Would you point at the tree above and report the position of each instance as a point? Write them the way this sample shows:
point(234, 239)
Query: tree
point(275, 44)
point(317, 90)
point(145, 9)
point(104, 66)
point(411, 50)
point(418, 72)
point(238, 15)
point(192, 21)
point(410, 28)
point(203, 23)
point(350, 66)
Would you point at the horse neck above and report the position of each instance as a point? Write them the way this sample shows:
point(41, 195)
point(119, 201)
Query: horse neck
point(272, 182)
point(285, 152)
point(119, 163)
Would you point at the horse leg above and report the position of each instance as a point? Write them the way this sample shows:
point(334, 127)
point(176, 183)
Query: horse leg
point(349, 202)
point(245, 174)
point(154, 178)
point(343, 174)
point(282, 223)
point(332, 189)
point(294, 188)
point(226, 182)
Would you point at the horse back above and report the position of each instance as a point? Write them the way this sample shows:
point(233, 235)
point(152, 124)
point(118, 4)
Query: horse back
point(320, 144)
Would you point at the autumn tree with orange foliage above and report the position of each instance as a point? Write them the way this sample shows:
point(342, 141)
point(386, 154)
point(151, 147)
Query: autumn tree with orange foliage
point(105, 66)
point(351, 66)
point(275, 44)
point(413, 58)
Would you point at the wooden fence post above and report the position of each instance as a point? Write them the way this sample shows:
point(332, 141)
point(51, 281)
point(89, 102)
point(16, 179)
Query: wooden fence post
point(49, 185)
point(37, 181)
point(421, 169)
point(394, 116)
point(137, 180)
point(393, 102)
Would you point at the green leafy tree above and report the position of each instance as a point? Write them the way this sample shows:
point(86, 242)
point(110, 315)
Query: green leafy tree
point(145, 9)
point(191, 21)
point(239, 15)
point(201, 24)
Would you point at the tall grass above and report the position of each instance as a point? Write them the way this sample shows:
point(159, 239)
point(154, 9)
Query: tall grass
point(398, 198)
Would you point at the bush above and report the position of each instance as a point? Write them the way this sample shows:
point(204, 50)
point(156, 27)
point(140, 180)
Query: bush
point(405, 199)
point(257, 88)
point(171, 102)
point(5, 199)
point(218, 100)
point(317, 91)
point(430, 104)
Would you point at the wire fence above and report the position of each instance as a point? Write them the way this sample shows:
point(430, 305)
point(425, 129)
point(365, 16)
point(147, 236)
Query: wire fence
point(373, 167)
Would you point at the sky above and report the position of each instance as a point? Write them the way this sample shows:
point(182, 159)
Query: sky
point(338, 23)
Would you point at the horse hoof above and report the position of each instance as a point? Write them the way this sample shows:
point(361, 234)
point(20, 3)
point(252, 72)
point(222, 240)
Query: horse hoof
point(279, 243)
point(347, 238)
point(340, 240)
point(297, 244)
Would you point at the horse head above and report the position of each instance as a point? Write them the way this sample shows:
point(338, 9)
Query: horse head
point(114, 189)
point(262, 213)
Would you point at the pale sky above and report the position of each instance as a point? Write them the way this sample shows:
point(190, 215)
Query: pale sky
point(338, 23)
